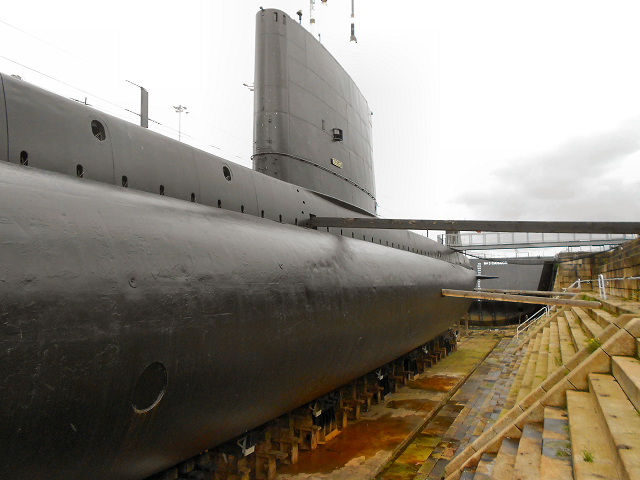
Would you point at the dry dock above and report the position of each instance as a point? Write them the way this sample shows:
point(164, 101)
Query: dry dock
point(561, 401)
point(367, 445)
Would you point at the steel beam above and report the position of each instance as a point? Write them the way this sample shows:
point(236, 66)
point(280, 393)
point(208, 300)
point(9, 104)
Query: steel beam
point(476, 225)
point(520, 299)
point(527, 292)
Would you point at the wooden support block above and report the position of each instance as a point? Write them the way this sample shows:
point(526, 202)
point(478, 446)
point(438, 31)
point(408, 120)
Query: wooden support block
point(227, 467)
point(377, 393)
point(289, 445)
point(364, 393)
point(309, 436)
point(330, 436)
point(424, 363)
point(266, 464)
point(265, 467)
point(341, 418)
point(354, 405)
point(408, 375)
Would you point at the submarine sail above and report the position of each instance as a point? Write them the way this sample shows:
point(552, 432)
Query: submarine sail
point(312, 125)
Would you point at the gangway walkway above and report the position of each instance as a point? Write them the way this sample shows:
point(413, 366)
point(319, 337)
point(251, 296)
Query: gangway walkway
point(496, 240)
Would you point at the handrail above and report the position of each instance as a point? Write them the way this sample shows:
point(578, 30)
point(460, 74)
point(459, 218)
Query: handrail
point(602, 288)
point(536, 316)
point(575, 284)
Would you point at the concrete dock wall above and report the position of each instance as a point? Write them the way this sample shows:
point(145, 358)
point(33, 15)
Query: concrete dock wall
point(619, 263)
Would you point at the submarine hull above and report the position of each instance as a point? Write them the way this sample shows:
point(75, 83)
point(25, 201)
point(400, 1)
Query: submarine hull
point(140, 330)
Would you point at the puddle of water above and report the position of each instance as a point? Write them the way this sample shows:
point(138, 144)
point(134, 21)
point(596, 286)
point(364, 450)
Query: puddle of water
point(439, 383)
point(438, 426)
point(364, 438)
point(415, 405)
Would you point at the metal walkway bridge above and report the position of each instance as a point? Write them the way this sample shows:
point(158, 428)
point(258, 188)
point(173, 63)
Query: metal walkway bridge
point(497, 240)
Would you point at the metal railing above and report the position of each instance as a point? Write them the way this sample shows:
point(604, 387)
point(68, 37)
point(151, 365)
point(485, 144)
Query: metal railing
point(544, 311)
point(575, 284)
point(481, 240)
point(523, 327)
point(603, 283)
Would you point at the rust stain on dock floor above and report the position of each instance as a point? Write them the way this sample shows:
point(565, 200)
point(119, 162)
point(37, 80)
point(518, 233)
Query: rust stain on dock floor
point(364, 438)
point(439, 383)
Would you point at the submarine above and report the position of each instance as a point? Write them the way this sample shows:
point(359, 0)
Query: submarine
point(157, 300)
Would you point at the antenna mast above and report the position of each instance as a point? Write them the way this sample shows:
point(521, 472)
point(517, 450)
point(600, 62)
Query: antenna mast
point(312, 18)
point(353, 28)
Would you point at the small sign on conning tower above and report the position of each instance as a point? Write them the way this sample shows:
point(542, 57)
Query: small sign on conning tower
point(336, 162)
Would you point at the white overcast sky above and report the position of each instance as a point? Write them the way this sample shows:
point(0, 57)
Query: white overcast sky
point(514, 110)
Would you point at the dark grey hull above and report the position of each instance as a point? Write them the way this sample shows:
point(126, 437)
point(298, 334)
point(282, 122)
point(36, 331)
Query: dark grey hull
point(240, 318)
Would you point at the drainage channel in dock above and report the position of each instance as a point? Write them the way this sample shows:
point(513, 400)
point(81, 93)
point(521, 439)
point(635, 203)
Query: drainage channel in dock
point(384, 442)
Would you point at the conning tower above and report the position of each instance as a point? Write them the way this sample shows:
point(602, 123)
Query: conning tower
point(312, 126)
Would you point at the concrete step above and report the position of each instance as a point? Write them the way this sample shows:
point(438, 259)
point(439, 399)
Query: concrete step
point(554, 361)
point(468, 475)
point(543, 357)
point(522, 357)
point(555, 463)
point(567, 347)
point(618, 306)
point(512, 368)
point(527, 466)
point(577, 335)
point(529, 373)
point(626, 371)
point(592, 459)
point(623, 423)
point(497, 382)
point(591, 328)
point(485, 467)
point(611, 304)
point(474, 419)
point(505, 460)
point(603, 317)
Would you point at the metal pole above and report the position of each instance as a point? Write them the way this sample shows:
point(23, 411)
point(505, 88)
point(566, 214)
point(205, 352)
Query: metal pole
point(312, 17)
point(144, 108)
point(144, 105)
point(179, 109)
point(353, 27)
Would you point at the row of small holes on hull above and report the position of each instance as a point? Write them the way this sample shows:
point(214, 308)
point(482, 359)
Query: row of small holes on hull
point(24, 160)
point(99, 132)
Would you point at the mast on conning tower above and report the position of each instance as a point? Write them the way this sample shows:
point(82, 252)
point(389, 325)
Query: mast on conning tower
point(353, 28)
point(312, 18)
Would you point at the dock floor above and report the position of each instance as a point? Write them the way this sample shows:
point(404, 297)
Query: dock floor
point(414, 422)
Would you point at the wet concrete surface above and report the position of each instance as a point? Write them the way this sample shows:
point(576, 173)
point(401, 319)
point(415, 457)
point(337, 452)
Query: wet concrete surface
point(475, 404)
point(438, 383)
point(367, 445)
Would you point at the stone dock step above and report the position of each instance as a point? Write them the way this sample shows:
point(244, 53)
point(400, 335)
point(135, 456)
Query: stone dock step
point(577, 417)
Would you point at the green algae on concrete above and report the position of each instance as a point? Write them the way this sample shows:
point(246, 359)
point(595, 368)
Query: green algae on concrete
point(412, 459)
